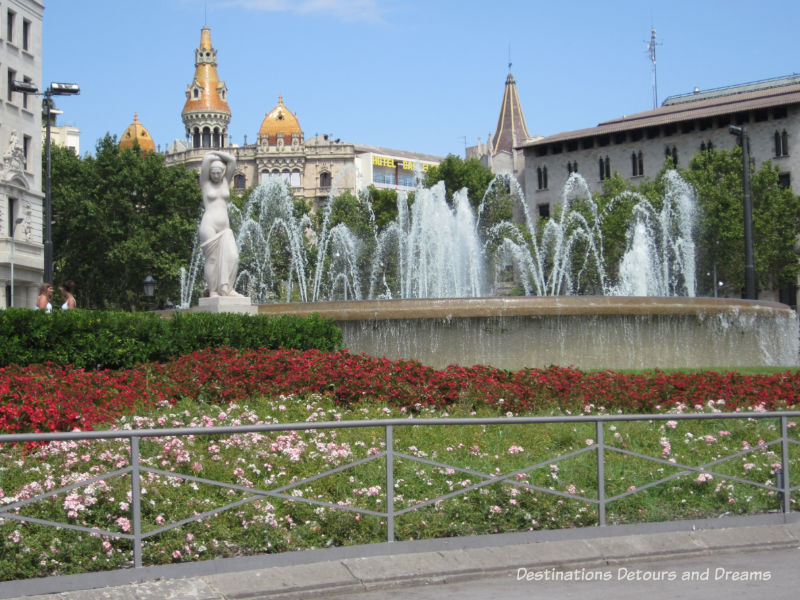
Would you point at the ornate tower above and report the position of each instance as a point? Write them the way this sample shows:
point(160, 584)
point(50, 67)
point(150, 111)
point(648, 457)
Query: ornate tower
point(206, 114)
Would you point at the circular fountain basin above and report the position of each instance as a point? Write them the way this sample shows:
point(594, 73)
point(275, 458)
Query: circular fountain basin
point(587, 332)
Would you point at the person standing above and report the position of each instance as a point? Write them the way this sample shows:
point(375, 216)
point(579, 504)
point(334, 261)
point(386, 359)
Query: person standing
point(45, 299)
point(67, 288)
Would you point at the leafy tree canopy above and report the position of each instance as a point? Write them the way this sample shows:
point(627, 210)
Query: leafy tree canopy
point(118, 216)
point(458, 173)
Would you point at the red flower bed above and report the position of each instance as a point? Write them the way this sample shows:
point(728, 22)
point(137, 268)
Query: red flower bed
point(52, 398)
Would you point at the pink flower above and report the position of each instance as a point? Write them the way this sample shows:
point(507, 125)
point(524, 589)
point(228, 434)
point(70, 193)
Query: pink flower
point(703, 477)
point(516, 449)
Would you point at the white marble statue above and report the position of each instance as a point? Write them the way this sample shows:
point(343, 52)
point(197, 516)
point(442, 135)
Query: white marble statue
point(216, 237)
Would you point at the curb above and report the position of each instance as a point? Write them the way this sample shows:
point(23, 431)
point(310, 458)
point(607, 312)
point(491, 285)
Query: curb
point(382, 566)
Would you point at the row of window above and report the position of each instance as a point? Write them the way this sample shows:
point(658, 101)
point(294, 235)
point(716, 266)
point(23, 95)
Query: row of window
point(622, 137)
point(637, 160)
point(12, 33)
point(208, 138)
point(293, 179)
point(390, 179)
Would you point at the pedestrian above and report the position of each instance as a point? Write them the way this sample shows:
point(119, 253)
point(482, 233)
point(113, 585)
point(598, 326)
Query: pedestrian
point(44, 301)
point(67, 288)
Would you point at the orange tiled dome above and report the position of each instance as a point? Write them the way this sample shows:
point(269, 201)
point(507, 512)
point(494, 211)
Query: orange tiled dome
point(137, 133)
point(206, 92)
point(280, 120)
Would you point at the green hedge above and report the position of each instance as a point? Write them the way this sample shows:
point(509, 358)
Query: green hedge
point(117, 340)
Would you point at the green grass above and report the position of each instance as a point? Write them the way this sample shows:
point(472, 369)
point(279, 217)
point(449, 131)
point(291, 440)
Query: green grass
point(268, 461)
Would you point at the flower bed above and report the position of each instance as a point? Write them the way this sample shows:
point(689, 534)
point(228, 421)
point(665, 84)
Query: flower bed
point(53, 398)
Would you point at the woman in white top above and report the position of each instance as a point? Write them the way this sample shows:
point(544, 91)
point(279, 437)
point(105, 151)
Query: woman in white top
point(66, 290)
point(44, 301)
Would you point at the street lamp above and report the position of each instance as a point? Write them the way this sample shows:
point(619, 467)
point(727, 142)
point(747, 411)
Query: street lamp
point(149, 285)
point(55, 89)
point(17, 221)
point(749, 269)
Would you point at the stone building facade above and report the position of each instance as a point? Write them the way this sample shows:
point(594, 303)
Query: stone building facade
point(21, 247)
point(636, 146)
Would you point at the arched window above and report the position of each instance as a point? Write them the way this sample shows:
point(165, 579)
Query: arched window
point(572, 167)
point(206, 137)
point(544, 176)
point(605, 168)
point(239, 181)
point(294, 179)
point(215, 139)
point(324, 179)
point(196, 138)
point(673, 154)
point(637, 164)
point(539, 177)
point(781, 143)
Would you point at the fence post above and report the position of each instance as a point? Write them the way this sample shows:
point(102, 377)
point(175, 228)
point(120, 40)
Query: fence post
point(136, 504)
point(389, 483)
point(783, 475)
point(601, 473)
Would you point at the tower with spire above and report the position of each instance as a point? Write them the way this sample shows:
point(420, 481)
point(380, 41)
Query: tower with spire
point(500, 153)
point(206, 113)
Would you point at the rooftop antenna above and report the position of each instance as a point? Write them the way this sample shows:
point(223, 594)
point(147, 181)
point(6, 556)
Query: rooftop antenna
point(205, 13)
point(651, 50)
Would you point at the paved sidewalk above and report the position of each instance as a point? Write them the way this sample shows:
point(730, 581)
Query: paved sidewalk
point(359, 568)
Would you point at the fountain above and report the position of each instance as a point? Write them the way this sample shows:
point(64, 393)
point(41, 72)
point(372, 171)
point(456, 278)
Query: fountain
point(424, 286)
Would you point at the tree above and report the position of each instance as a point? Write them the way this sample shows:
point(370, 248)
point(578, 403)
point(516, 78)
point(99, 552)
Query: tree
point(717, 177)
point(384, 206)
point(458, 173)
point(117, 217)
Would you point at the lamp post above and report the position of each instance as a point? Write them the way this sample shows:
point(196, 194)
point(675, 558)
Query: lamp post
point(749, 268)
point(17, 221)
point(149, 285)
point(55, 89)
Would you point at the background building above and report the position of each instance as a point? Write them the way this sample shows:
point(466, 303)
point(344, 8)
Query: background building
point(21, 147)
point(312, 168)
point(636, 146)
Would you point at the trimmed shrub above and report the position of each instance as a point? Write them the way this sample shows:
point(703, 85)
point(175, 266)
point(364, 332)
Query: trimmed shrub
point(118, 340)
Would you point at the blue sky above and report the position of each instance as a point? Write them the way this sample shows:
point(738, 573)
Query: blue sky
point(419, 75)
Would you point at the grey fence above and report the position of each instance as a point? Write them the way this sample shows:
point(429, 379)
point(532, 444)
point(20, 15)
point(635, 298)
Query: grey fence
point(782, 486)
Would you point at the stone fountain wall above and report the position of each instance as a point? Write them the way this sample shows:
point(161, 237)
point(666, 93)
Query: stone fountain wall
point(580, 331)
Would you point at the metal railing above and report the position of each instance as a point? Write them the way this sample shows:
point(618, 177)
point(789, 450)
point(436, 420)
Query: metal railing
point(782, 487)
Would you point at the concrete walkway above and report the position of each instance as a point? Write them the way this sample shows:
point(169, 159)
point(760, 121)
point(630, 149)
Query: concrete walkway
point(355, 569)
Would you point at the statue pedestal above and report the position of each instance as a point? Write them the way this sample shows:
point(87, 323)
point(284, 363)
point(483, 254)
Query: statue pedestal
point(234, 304)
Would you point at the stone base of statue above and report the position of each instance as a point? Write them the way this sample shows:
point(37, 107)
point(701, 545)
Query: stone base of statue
point(234, 304)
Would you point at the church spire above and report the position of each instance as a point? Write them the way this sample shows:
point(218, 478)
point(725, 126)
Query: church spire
point(511, 129)
point(206, 113)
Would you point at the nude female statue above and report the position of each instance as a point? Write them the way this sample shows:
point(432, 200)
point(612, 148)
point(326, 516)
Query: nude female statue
point(216, 237)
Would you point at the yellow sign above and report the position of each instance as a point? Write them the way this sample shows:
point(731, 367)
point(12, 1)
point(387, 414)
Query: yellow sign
point(406, 165)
